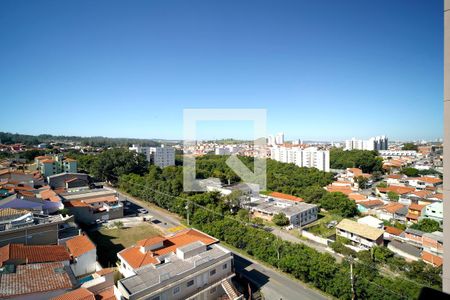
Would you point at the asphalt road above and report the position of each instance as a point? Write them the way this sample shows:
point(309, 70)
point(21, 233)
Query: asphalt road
point(273, 285)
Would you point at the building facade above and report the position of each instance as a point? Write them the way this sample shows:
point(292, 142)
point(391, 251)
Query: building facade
point(309, 157)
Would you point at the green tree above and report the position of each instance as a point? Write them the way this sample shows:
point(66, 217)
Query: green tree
point(427, 225)
point(367, 161)
point(280, 219)
point(409, 146)
point(313, 194)
point(410, 172)
point(393, 196)
point(362, 181)
point(111, 164)
point(339, 203)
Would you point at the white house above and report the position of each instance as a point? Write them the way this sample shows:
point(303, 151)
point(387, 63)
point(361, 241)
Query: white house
point(84, 255)
point(363, 236)
point(372, 222)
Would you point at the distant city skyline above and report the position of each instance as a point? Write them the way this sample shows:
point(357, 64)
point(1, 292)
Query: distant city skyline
point(324, 70)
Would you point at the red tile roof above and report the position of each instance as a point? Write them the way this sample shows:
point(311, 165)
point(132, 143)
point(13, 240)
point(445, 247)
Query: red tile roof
point(393, 230)
point(136, 259)
point(357, 197)
point(78, 294)
point(285, 197)
point(431, 258)
point(393, 207)
point(76, 203)
point(106, 294)
point(34, 278)
point(427, 179)
point(33, 253)
point(80, 245)
point(418, 207)
point(342, 189)
point(401, 190)
point(412, 216)
point(371, 203)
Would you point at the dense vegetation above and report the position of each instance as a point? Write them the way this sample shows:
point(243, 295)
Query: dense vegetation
point(96, 141)
point(427, 225)
point(368, 161)
point(338, 203)
point(210, 213)
point(409, 146)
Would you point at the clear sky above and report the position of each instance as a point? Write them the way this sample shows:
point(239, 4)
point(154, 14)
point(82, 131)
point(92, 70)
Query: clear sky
point(324, 70)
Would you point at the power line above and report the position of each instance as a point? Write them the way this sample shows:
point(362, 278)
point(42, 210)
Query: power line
point(246, 224)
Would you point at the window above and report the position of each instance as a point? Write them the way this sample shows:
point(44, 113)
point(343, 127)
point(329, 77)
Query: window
point(212, 272)
point(224, 266)
point(190, 283)
point(176, 290)
point(213, 290)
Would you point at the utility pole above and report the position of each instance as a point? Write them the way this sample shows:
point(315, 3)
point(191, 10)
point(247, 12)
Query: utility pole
point(187, 210)
point(351, 278)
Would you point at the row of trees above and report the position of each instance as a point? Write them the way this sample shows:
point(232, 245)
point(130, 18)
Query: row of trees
point(215, 215)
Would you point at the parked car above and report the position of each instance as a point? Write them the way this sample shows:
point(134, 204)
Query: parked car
point(143, 211)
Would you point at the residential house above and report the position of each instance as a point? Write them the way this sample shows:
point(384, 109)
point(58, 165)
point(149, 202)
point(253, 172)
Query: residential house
point(433, 248)
point(88, 206)
point(406, 250)
point(414, 236)
point(20, 254)
point(414, 212)
point(423, 182)
point(186, 265)
point(392, 211)
point(401, 191)
point(395, 179)
point(392, 233)
point(39, 281)
point(83, 253)
point(368, 206)
point(371, 221)
point(68, 180)
point(362, 236)
point(434, 211)
point(24, 226)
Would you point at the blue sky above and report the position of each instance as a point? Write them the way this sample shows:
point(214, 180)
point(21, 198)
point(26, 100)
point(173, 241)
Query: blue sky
point(324, 70)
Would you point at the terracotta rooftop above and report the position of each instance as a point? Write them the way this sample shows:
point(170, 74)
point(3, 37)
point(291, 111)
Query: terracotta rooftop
point(342, 189)
point(355, 171)
point(412, 216)
point(76, 203)
point(34, 278)
point(371, 203)
point(428, 179)
point(421, 194)
point(393, 207)
point(285, 197)
point(78, 294)
point(401, 190)
point(418, 207)
point(106, 294)
point(393, 230)
point(357, 197)
point(79, 245)
point(33, 253)
point(433, 259)
point(136, 259)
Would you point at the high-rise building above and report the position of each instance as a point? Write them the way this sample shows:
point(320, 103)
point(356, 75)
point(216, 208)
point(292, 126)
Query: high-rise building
point(374, 143)
point(310, 157)
point(159, 156)
point(271, 140)
point(279, 138)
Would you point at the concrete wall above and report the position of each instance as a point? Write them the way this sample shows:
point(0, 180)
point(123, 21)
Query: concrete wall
point(46, 234)
point(85, 264)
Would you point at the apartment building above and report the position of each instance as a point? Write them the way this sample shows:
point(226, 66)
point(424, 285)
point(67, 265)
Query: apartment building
point(186, 265)
point(298, 212)
point(54, 164)
point(310, 157)
point(374, 143)
point(159, 156)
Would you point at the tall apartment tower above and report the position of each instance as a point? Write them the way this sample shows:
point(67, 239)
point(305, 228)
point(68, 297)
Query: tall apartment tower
point(159, 156)
point(279, 139)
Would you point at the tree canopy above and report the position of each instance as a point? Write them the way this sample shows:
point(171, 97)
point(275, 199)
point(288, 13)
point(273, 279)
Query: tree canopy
point(367, 161)
point(338, 203)
point(427, 225)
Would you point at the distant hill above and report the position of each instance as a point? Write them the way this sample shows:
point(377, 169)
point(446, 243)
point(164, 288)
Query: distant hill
point(96, 141)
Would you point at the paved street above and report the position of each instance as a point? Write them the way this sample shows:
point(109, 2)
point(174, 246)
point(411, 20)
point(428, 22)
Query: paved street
point(289, 237)
point(274, 285)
